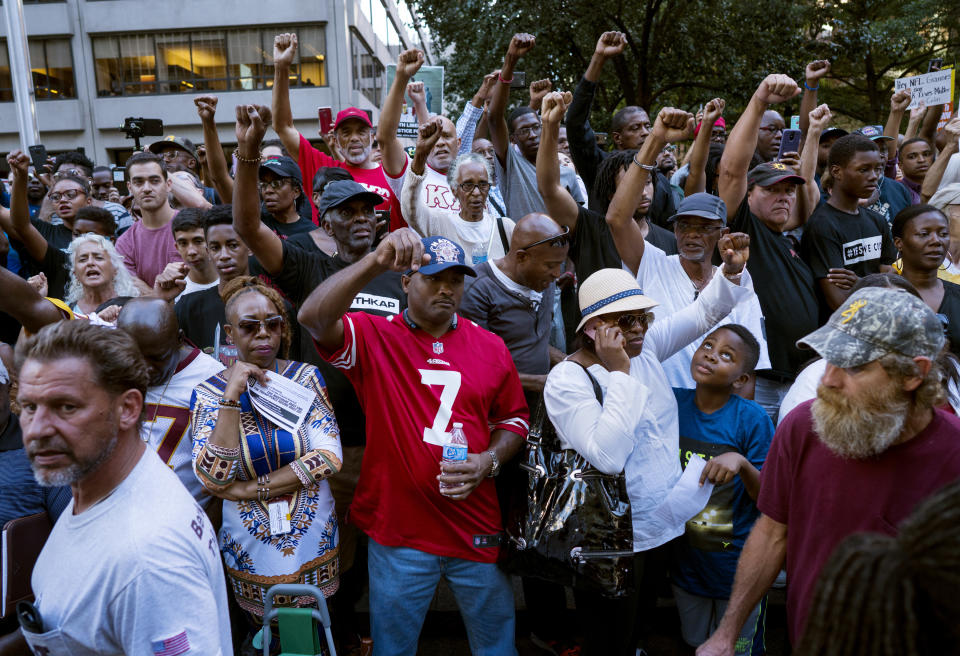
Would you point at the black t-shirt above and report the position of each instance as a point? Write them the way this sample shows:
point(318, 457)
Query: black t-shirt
point(592, 247)
point(287, 230)
point(833, 239)
point(304, 268)
point(662, 238)
point(54, 266)
point(199, 314)
point(785, 288)
point(950, 308)
point(57, 236)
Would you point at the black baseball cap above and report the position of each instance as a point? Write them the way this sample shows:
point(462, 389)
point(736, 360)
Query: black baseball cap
point(832, 132)
point(283, 167)
point(173, 141)
point(339, 192)
point(770, 173)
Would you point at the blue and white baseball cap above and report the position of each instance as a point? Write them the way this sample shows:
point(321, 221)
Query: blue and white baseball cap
point(444, 254)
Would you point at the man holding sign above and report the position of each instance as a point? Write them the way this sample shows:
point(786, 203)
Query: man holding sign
point(415, 374)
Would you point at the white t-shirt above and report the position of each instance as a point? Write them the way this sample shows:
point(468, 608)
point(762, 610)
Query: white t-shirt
point(804, 387)
point(196, 287)
point(140, 568)
point(166, 426)
point(663, 279)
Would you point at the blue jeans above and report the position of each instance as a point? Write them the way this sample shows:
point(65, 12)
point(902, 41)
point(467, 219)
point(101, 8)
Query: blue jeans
point(402, 584)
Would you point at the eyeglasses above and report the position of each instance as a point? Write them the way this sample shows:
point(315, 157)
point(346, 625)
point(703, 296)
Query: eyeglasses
point(69, 194)
point(772, 129)
point(628, 322)
point(555, 240)
point(529, 131)
point(252, 326)
point(699, 228)
point(468, 187)
point(170, 154)
point(276, 185)
point(60, 175)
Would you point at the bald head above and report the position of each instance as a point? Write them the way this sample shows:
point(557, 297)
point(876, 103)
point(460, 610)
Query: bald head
point(533, 228)
point(153, 325)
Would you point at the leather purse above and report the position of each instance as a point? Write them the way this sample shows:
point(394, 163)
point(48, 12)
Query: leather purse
point(574, 526)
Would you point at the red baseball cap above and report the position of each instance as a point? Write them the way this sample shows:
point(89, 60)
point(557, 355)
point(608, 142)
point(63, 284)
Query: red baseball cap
point(720, 122)
point(352, 112)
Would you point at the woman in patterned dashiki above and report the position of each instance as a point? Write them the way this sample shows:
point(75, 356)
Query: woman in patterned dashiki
point(261, 470)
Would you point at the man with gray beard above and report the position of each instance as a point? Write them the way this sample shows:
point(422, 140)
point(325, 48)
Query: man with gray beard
point(858, 458)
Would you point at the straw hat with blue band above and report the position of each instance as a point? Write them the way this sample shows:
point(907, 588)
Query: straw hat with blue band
point(609, 291)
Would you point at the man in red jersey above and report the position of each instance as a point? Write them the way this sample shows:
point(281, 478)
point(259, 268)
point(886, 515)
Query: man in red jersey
point(352, 130)
point(416, 373)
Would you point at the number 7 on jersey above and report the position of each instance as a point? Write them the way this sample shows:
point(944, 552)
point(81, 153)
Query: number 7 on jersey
point(450, 381)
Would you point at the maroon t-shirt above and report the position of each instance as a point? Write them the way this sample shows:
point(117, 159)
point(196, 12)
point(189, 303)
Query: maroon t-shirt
point(823, 498)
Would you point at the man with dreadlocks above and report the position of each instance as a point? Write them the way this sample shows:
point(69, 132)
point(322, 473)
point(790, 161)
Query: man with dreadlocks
point(868, 602)
point(857, 458)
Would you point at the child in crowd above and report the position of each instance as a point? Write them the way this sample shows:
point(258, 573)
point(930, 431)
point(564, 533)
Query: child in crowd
point(733, 435)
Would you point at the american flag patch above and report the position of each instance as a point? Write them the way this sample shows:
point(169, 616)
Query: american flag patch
point(178, 644)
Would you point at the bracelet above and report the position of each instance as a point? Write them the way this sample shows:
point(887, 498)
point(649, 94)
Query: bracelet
point(223, 452)
point(301, 474)
point(227, 403)
point(646, 167)
point(500, 77)
point(245, 160)
point(810, 88)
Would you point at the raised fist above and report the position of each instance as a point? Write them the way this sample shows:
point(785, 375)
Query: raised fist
point(409, 62)
point(521, 44)
point(816, 70)
point(538, 89)
point(901, 100)
point(284, 49)
point(206, 107)
point(610, 44)
point(673, 125)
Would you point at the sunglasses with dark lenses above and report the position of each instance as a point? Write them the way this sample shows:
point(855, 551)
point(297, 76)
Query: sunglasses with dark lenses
point(556, 240)
point(628, 322)
point(252, 326)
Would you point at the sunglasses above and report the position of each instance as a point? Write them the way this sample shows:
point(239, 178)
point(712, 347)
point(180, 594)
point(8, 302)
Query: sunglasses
point(251, 327)
point(628, 322)
point(555, 240)
point(276, 185)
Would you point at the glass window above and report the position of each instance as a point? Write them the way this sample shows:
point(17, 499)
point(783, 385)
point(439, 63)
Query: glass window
point(312, 46)
point(379, 20)
point(60, 68)
point(367, 71)
point(210, 60)
point(6, 82)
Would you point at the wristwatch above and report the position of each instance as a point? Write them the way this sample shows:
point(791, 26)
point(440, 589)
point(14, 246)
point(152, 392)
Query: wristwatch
point(495, 468)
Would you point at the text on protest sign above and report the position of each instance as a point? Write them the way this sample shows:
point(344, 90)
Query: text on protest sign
point(929, 89)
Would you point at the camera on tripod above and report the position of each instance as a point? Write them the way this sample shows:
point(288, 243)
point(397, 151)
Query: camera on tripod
point(135, 128)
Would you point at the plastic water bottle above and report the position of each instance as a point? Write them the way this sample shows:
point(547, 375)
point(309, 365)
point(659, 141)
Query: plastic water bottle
point(455, 450)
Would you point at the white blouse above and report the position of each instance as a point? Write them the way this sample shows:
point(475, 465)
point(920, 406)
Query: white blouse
point(636, 429)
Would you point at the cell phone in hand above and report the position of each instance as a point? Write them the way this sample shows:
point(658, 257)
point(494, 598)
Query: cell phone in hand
point(325, 114)
point(935, 64)
point(38, 154)
point(119, 174)
point(789, 143)
point(519, 80)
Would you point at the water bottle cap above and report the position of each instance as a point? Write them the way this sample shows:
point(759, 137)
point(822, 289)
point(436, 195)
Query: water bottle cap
point(457, 425)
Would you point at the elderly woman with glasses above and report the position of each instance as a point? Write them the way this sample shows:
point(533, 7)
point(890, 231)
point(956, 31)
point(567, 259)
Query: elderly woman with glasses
point(634, 429)
point(483, 235)
point(279, 524)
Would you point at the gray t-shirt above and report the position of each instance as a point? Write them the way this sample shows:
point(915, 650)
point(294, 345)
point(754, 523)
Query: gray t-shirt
point(516, 318)
point(138, 572)
point(518, 184)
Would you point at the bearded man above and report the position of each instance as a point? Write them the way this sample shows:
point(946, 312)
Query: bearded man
point(859, 457)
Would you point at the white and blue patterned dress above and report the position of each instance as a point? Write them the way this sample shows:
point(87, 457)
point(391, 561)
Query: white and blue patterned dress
point(254, 559)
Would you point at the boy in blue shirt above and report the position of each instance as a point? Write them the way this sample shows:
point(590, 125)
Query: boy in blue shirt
point(733, 435)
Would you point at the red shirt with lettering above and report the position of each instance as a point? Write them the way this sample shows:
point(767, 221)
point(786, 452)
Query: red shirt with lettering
point(311, 160)
point(412, 387)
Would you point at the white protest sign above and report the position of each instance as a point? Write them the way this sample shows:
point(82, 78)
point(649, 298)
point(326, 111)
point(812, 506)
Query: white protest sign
point(929, 89)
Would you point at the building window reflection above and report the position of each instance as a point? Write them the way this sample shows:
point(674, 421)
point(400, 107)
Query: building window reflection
point(51, 63)
point(210, 60)
point(368, 72)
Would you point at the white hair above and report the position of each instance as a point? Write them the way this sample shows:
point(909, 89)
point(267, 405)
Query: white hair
point(474, 158)
point(122, 280)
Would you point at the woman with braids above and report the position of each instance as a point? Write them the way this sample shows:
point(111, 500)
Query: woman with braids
point(892, 596)
point(261, 470)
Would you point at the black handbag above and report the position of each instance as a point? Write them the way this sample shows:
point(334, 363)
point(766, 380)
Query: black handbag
point(573, 527)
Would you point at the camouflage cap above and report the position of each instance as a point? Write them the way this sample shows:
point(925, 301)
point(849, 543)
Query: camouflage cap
point(875, 321)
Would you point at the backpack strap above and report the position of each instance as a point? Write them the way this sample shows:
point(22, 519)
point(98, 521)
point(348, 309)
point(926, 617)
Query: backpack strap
point(503, 235)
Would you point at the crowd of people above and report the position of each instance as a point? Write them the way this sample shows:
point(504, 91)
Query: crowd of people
point(792, 317)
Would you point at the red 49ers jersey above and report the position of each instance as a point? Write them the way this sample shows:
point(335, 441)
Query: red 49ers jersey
point(412, 387)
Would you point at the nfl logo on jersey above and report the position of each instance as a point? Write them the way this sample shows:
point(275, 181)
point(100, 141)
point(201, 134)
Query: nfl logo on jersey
point(438, 348)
